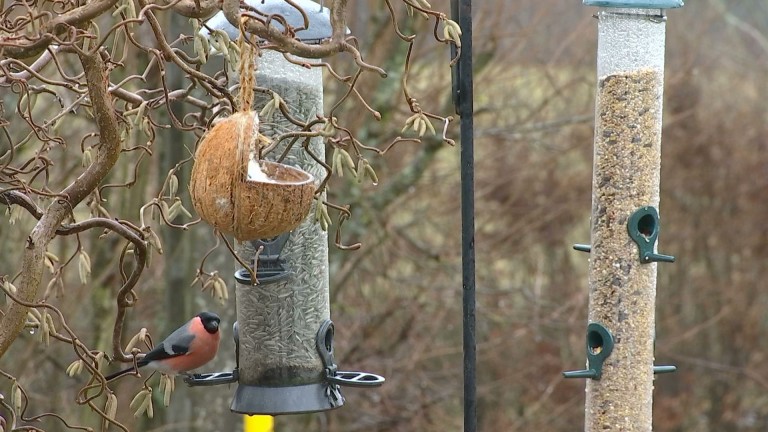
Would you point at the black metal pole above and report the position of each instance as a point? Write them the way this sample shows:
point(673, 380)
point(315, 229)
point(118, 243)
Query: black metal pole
point(463, 99)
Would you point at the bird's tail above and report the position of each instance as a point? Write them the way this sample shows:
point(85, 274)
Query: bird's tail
point(125, 371)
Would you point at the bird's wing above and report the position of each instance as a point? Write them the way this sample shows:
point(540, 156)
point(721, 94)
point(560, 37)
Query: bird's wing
point(176, 344)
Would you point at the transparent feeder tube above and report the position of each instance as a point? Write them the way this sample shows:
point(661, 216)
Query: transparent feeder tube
point(627, 150)
point(278, 322)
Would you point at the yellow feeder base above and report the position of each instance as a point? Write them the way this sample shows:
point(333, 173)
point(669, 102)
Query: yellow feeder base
point(258, 423)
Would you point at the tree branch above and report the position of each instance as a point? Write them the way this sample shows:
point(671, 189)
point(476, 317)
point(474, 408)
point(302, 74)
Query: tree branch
point(32, 261)
point(53, 28)
point(289, 44)
point(196, 8)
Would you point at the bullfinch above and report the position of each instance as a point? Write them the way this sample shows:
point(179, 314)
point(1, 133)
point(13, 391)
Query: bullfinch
point(188, 347)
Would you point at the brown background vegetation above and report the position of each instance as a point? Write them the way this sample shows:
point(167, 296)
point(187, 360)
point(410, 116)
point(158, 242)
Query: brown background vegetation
point(396, 302)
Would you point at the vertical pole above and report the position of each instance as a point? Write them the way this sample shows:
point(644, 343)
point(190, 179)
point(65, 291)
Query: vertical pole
point(626, 176)
point(463, 98)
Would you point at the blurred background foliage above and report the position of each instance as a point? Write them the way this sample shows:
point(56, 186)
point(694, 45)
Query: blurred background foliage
point(397, 301)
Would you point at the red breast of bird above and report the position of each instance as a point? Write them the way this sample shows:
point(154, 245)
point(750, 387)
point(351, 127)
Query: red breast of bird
point(200, 349)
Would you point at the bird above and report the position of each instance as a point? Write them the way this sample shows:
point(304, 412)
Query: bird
point(188, 347)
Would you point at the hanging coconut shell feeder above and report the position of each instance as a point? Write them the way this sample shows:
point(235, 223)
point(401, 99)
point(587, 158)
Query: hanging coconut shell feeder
point(225, 196)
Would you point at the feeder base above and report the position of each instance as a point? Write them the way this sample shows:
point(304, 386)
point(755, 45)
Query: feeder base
point(308, 398)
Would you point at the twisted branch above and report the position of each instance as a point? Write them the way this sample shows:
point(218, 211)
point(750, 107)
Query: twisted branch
point(45, 229)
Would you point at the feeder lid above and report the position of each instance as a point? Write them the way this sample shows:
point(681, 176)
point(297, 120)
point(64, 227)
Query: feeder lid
point(319, 19)
point(643, 4)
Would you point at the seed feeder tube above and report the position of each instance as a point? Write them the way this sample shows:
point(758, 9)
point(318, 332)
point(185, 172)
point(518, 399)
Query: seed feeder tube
point(626, 178)
point(283, 333)
point(279, 369)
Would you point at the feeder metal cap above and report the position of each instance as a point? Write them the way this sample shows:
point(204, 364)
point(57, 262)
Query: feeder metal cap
point(319, 19)
point(642, 4)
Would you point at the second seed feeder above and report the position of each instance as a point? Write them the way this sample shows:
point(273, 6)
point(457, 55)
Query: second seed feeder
point(625, 218)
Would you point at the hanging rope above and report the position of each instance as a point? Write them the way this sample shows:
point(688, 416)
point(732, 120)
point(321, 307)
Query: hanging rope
point(248, 135)
point(246, 68)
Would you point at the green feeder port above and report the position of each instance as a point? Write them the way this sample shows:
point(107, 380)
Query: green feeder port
point(643, 227)
point(599, 347)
